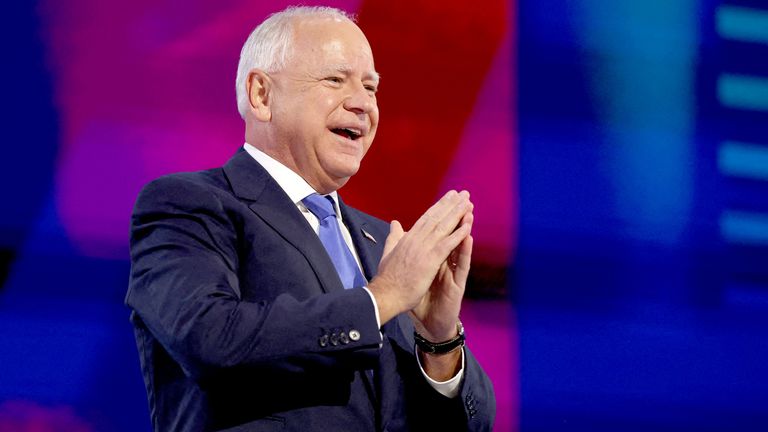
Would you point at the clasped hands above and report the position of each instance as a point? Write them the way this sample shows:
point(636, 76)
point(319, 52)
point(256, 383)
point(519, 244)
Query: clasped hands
point(424, 271)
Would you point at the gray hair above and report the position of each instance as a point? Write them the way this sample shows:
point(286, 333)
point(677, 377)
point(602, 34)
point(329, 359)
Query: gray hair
point(270, 44)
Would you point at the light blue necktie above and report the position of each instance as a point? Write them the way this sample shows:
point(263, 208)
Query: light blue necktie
point(330, 236)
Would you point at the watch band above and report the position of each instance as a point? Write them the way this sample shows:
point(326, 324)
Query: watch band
point(438, 348)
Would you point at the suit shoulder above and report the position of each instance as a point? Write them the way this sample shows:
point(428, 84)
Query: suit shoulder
point(207, 178)
point(190, 187)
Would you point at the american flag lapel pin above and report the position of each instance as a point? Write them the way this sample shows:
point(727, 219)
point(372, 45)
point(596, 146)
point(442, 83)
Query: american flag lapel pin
point(368, 235)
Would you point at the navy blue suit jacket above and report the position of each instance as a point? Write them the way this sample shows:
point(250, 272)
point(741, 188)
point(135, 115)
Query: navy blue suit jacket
point(242, 323)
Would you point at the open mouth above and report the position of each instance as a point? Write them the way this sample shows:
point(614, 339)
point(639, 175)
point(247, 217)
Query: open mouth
point(350, 133)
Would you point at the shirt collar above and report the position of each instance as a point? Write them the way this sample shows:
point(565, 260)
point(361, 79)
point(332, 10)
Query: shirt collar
point(293, 184)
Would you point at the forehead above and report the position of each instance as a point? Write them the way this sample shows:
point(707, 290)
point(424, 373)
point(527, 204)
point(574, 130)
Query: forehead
point(331, 44)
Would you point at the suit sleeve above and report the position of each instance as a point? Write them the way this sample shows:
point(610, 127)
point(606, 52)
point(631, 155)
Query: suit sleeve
point(473, 409)
point(185, 289)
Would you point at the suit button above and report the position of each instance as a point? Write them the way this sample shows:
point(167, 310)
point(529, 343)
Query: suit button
point(343, 338)
point(335, 339)
point(354, 335)
point(323, 341)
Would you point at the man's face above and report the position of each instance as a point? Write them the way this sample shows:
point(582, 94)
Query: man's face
point(324, 112)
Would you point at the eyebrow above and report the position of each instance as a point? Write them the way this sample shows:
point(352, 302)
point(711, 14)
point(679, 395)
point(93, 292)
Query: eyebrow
point(346, 70)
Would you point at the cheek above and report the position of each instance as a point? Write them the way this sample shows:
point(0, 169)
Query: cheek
point(374, 116)
point(314, 110)
point(371, 136)
point(374, 127)
point(327, 103)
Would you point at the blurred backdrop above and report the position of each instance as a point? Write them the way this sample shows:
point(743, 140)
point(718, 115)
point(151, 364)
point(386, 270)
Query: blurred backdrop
point(616, 152)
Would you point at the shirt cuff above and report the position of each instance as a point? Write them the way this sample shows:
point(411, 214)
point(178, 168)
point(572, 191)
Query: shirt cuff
point(448, 388)
point(375, 306)
point(376, 310)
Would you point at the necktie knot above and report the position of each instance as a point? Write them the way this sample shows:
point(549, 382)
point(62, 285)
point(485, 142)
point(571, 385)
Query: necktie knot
point(320, 206)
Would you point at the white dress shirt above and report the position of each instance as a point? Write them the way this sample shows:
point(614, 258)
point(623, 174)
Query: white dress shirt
point(297, 189)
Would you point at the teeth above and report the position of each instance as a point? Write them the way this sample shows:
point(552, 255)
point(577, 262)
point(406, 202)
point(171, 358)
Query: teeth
point(352, 133)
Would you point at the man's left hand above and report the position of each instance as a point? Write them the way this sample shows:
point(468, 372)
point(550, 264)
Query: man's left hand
point(436, 316)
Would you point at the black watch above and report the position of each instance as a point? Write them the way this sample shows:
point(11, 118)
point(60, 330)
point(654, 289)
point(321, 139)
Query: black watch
point(438, 348)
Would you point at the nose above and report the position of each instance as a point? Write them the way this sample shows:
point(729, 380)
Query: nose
point(360, 100)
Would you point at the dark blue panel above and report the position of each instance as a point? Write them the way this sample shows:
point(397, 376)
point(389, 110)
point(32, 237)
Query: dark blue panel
point(635, 310)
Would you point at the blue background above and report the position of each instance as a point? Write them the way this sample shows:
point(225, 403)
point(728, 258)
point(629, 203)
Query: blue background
point(641, 277)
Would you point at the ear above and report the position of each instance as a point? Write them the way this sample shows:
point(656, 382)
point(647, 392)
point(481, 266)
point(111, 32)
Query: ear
point(259, 87)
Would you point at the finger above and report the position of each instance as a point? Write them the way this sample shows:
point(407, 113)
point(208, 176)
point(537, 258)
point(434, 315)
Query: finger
point(455, 255)
point(463, 209)
point(469, 217)
point(448, 244)
point(438, 211)
point(395, 234)
point(454, 218)
point(463, 261)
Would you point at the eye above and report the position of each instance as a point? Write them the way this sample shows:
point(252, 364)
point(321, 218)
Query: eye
point(335, 79)
point(371, 88)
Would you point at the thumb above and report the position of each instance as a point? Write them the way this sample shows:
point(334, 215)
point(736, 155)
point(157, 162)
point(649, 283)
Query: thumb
point(395, 234)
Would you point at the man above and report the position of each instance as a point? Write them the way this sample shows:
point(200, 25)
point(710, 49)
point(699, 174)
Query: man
point(262, 302)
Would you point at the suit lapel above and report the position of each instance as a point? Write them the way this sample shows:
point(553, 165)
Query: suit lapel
point(369, 249)
point(251, 182)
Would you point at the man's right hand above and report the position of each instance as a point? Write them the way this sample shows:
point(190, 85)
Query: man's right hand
point(412, 259)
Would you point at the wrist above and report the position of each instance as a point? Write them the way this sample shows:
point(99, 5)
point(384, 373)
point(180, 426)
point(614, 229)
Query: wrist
point(440, 368)
point(386, 309)
point(438, 329)
point(441, 347)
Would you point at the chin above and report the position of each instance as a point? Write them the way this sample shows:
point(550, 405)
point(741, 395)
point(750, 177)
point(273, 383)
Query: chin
point(345, 166)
